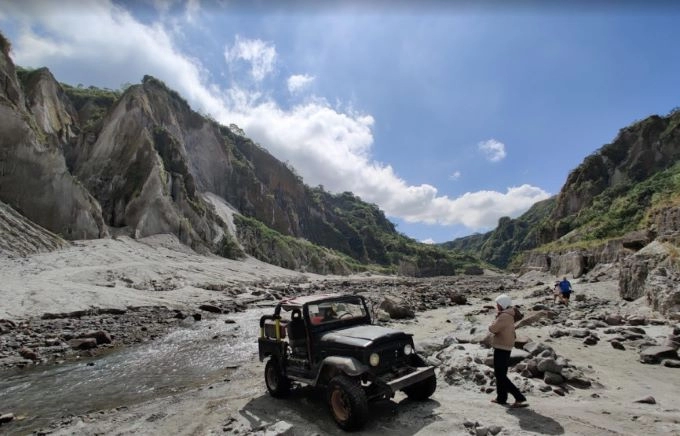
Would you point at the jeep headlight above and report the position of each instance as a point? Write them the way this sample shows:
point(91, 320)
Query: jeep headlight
point(374, 359)
point(408, 349)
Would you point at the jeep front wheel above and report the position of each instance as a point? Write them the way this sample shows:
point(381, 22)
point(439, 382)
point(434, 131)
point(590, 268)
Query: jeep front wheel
point(278, 384)
point(422, 390)
point(348, 403)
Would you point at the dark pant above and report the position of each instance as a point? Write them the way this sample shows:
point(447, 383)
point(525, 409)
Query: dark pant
point(501, 361)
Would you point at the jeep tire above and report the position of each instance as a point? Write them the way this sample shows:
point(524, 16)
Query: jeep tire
point(422, 390)
point(347, 402)
point(278, 384)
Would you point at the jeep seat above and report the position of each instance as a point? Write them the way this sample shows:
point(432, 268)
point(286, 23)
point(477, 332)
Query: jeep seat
point(297, 335)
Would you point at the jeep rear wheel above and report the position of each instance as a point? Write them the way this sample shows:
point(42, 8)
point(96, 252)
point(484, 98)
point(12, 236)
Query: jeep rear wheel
point(348, 403)
point(278, 384)
point(422, 390)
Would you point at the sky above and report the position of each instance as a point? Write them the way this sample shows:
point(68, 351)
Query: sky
point(447, 115)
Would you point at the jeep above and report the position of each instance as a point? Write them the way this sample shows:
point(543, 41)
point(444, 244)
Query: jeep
point(328, 341)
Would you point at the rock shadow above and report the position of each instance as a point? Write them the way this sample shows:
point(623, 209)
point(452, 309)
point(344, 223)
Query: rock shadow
point(530, 420)
point(306, 410)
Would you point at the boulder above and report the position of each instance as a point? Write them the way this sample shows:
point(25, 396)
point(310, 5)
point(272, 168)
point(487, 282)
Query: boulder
point(646, 400)
point(671, 363)
point(655, 354)
point(549, 365)
point(517, 356)
point(637, 320)
point(27, 353)
point(672, 341)
point(210, 308)
point(552, 378)
point(383, 316)
point(101, 336)
point(397, 308)
point(618, 345)
point(521, 341)
point(536, 317)
point(6, 417)
point(83, 343)
point(614, 319)
point(459, 299)
point(590, 340)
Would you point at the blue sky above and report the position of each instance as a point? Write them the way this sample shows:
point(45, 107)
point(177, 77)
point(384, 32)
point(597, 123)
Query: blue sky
point(448, 115)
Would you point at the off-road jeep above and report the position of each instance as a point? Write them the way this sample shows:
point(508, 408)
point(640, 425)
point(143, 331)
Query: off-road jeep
point(328, 341)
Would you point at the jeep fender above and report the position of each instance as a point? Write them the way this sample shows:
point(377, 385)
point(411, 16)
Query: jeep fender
point(333, 365)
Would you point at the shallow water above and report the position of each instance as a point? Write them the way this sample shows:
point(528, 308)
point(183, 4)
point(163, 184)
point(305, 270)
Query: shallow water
point(196, 354)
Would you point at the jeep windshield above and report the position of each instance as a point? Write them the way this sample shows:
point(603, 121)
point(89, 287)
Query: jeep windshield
point(331, 311)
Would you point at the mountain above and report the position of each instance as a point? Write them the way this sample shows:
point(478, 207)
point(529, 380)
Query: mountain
point(89, 163)
point(510, 237)
point(612, 204)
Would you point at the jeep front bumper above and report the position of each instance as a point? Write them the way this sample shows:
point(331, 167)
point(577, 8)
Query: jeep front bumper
point(409, 379)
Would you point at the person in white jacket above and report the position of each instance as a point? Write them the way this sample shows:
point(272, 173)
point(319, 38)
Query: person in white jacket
point(503, 330)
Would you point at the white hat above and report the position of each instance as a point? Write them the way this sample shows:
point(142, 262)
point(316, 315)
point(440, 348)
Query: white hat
point(504, 301)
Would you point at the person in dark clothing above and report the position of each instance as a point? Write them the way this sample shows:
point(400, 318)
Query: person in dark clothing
point(565, 289)
point(503, 329)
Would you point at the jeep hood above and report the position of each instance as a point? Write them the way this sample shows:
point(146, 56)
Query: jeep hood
point(362, 336)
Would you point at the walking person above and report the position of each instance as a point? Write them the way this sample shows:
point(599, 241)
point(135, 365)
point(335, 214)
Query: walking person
point(503, 330)
point(565, 289)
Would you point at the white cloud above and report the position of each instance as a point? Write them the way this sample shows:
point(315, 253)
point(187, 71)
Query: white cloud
point(455, 176)
point(326, 145)
point(493, 150)
point(428, 241)
point(261, 56)
point(298, 82)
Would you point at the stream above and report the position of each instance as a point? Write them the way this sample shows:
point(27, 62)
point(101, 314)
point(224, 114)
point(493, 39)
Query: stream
point(194, 355)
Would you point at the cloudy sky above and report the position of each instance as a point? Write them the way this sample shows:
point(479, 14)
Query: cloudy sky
point(448, 115)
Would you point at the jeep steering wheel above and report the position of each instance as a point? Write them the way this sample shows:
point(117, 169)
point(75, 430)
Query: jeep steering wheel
point(344, 315)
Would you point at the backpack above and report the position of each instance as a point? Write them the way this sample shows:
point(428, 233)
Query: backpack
point(518, 315)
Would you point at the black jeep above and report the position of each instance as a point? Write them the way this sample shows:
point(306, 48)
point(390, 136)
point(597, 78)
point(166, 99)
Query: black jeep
point(328, 341)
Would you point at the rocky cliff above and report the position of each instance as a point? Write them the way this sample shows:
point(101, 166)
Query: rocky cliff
point(87, 162)
point(34, 178)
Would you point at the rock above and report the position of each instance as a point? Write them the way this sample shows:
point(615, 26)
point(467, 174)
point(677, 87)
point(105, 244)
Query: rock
point(552, 378)
point(210, 308)
point(458, 299)
point(197, 316)
point(521, 341)
point(6, 417)
point(481, 431)
point(517, 356)
point(558, 333)
point(560, 391)
point(495, 429)
point(576, 378)
point(429, 346)
point(655, 354)
point(671, 363)
point(614, 319)
point(637, 320)
point(397, 308)
point(590, 340)
point(579, 333)
point(534, 348)
point(549, 365)
point(383, 316)
point(580, 297)
point(646, 400)
point(618, 345)
point(101, 336)
point(27, 353)
point(672, 341)
point(536, 317)
point(83, 344)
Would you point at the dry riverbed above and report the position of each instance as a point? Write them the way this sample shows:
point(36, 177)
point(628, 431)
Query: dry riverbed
point(151, 290)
